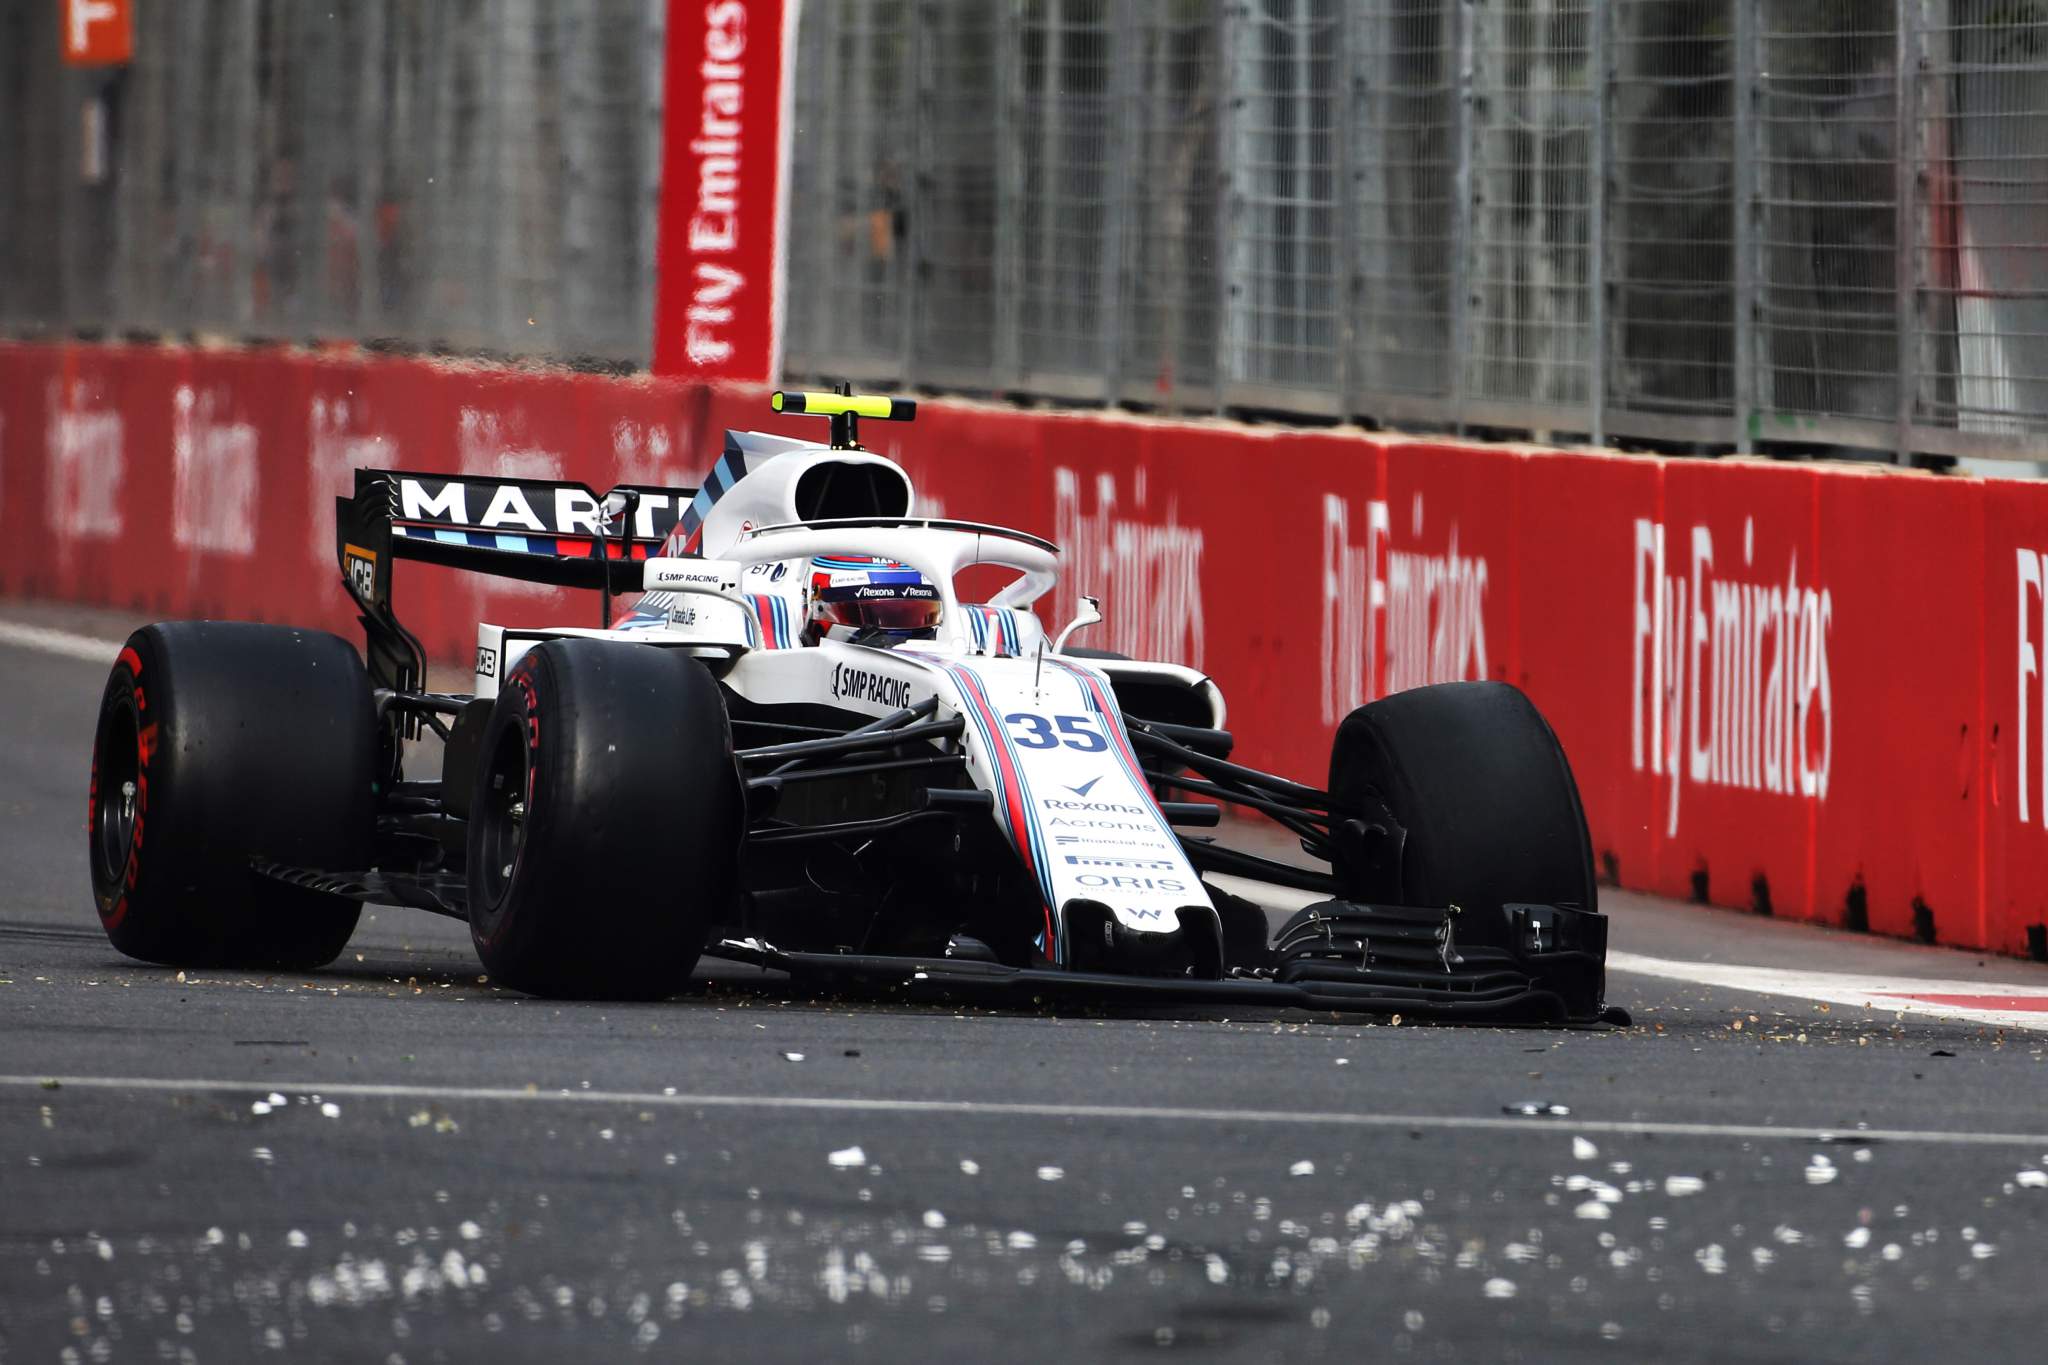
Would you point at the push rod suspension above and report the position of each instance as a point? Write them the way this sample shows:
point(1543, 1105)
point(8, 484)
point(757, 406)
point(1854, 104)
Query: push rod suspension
point(1223, 770)
point(1208, 857)
point(808, 749)
point(798, 751)
point(779, 778)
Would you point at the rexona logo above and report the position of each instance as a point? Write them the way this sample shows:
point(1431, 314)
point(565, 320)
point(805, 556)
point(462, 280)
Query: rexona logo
point(1412, 616)
point(857, 684)
point(1730, 668)
point(1105, 807)
point(907, 590)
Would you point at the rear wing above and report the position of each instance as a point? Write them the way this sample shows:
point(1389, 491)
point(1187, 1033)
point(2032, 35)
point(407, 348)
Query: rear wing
point(534, 530)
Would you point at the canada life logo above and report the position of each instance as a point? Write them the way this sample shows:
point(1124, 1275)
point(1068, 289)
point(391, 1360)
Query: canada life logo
point(1731, 681)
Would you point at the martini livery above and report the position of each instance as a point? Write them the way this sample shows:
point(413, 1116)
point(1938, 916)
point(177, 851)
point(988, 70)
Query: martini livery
point(783, 738)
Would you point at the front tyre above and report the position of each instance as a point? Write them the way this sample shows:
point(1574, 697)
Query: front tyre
point(1475, 775)
point(605, 828)
point(221, 744)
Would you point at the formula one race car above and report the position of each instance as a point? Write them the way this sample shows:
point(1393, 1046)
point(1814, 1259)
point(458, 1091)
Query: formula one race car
point(795, 746)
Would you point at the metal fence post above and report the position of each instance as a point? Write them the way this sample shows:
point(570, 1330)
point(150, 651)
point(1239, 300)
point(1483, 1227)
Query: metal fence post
point(1906, 158)
point(1230, 93)
point(1346, 94)
point(1050, 118)
point(370, 146)
point(1462, 224)
point(1599, 60)
point(319, 52)
point(1743, 100)
point(1008, 348)
point(1123, 151)
point(184, 181)
point(847, 326)
point(914, 182)
point(575, 292)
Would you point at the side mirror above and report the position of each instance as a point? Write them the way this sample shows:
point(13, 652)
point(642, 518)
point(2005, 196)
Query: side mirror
point(618, 509)
point(1090, 613)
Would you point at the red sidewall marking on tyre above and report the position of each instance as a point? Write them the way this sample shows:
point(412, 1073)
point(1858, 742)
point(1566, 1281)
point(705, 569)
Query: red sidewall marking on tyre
point(111, 916)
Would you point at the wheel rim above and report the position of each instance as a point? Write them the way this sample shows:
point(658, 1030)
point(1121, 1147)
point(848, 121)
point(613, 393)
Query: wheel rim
point(118, 764)
point(503, 815)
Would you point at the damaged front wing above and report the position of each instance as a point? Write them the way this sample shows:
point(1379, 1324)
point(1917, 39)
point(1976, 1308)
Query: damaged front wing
point(1549, 968)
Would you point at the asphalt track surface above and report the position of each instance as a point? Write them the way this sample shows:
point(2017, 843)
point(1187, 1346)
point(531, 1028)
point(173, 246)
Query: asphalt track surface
point(392, 1160)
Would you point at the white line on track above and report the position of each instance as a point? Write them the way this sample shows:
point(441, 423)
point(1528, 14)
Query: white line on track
point(1885, 994)
point(91, 649)
point(987, 1109)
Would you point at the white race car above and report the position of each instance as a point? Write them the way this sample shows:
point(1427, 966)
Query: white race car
point(793, 743)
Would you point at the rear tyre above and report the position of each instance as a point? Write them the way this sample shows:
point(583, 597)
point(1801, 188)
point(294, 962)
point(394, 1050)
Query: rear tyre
point(606, 823)
point(223, 743)
point(1479, 781)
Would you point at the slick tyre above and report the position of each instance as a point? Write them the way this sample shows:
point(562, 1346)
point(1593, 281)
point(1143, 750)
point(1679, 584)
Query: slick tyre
point(221, 744)
point(1479, 781)
point(606, 822)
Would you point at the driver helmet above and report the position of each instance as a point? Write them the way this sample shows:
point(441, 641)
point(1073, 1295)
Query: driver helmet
point(853, 597)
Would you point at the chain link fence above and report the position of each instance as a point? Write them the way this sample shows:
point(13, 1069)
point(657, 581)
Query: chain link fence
point(1816, 224)
point(476, 175)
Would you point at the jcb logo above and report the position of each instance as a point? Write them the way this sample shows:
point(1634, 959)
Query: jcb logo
point(486, 662)
point(360, 568)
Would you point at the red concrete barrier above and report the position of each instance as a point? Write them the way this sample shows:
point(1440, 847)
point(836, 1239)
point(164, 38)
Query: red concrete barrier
point(1817, 690)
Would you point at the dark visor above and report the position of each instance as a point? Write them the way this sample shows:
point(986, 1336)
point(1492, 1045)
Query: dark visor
point(897, 613)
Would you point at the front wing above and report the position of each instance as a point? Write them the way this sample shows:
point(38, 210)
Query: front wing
point(1332, 956)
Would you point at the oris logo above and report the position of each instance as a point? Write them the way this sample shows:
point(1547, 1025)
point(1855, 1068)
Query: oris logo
point(1121, 883)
